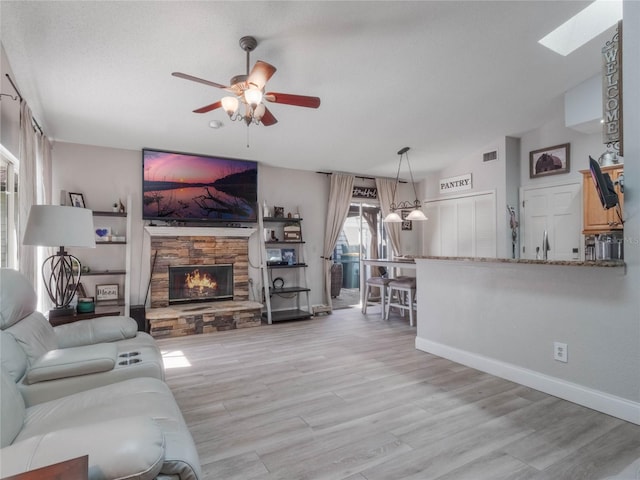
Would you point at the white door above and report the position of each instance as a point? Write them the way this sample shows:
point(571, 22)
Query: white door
point(558, 211)
point(461, 227)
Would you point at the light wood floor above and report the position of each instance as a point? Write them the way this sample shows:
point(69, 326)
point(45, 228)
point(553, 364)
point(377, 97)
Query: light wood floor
point(347, 396)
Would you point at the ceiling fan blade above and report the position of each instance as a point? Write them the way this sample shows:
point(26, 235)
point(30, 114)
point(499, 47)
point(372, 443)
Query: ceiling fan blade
point(260, 74)
point(268, 119)
point(297, 100)
point(199, 80)
point(208, 108)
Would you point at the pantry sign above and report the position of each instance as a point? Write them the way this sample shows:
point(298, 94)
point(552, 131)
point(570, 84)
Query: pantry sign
point(456, 184)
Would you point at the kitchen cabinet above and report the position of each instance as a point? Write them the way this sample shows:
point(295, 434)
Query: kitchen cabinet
point(595, 218)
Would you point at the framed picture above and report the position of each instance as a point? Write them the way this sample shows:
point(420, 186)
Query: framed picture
point(549, 161)
point(289, 256)
point(77, 200)
point(107, 291)
point(274, 255)
point(278, 212)
point(406, 224)
point(103, 234)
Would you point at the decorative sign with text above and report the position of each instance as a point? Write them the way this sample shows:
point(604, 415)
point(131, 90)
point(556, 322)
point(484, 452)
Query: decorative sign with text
point(456, 184)
point(365, 192)
point(612, 92)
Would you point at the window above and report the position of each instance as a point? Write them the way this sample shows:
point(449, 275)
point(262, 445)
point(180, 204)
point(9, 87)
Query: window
point(8, 209)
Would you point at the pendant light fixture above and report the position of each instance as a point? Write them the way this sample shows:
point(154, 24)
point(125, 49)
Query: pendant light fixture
point(415, 207)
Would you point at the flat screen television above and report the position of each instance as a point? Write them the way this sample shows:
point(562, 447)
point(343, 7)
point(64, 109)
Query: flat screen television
point(604, 185)
point(186, 187)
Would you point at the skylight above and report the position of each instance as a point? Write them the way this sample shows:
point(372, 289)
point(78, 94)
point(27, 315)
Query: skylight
point(584, 26)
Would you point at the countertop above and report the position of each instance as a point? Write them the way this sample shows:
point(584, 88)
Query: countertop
point(599, 263)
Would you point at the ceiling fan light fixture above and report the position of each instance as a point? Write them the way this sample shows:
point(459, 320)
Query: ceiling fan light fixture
point(230, 105)
point(253, 96)
point(259, 111)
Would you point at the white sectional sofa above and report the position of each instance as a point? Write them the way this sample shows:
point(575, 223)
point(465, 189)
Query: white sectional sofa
point(93, 387)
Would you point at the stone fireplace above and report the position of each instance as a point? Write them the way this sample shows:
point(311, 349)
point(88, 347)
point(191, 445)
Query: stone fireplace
point(185, 251)
point(216, 260)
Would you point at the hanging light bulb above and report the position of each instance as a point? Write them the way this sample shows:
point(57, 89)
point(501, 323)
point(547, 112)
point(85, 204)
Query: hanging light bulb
point(253, 96)
point(230, 105)
point(259, 111)
point(416, 212)
point(393, 217)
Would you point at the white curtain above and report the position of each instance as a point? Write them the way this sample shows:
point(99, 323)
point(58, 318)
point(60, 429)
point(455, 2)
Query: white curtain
point(385, 188)
point(339, 201)
point(34, 188)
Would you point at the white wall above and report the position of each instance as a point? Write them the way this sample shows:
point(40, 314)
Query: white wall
point(104, 175)
point(486, 176)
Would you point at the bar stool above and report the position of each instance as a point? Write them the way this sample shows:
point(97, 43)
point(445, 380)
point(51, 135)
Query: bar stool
point(404, 290)
point(380, 282)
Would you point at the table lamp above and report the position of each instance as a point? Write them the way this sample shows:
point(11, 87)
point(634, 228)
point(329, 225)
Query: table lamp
point(59, 226)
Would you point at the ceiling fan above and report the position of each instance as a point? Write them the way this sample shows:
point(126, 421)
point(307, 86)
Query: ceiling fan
point(248, 89)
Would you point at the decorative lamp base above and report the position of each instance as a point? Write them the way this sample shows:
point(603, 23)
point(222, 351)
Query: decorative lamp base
point(61, 312)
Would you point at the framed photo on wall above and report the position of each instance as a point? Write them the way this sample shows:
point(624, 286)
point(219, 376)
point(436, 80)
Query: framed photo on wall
point(406, 224)
point(77, 200)
point(549, 161)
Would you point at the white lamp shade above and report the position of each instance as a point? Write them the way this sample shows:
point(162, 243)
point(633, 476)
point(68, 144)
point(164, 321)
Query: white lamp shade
point(393, 217)
point(253, 96)
point(416, 214)
point(230, 105)
point(258, 112)
point(59, 226)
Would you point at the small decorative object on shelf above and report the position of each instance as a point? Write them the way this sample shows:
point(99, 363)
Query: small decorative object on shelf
point(121, 208)
point(115, 207)
point(86, 305)
point(292, 233)
point(103, 234)
point(278, 212)
point(107, 292)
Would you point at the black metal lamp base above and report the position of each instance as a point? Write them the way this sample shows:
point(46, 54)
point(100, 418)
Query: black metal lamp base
point(61, 312)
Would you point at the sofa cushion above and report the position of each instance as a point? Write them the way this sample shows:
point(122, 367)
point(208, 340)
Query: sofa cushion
point(12, 357)
point(12, 411)
point(71, 362)
point(139, 396)
point(96, 330)
point(35, 335)
point(17, 297)
point(123, 448)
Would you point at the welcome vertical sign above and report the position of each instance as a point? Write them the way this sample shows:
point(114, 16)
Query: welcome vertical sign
point(612, 92)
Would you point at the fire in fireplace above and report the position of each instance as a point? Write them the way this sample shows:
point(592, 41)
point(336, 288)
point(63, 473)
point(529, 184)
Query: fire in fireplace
point(200, 283)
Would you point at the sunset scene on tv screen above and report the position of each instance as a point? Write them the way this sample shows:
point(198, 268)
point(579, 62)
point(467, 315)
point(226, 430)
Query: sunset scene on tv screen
point(179, 186)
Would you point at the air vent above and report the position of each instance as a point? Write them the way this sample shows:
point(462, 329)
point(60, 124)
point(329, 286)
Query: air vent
point(487, 157)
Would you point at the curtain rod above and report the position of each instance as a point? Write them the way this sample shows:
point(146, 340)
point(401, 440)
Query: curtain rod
point(358, 176)
point(37, 125)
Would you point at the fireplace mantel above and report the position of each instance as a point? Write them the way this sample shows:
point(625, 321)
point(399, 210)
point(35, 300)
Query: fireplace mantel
point(199, 231)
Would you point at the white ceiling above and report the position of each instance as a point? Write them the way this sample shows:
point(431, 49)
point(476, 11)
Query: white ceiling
point(446, 78)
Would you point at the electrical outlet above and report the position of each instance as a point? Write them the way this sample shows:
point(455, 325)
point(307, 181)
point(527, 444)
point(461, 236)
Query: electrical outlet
point(560, 352)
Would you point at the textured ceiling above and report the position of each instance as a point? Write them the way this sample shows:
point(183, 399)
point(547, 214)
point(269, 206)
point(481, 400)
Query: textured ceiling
point(445, 78)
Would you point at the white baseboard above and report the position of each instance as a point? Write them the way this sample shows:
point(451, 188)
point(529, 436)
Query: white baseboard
point(597, 400)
